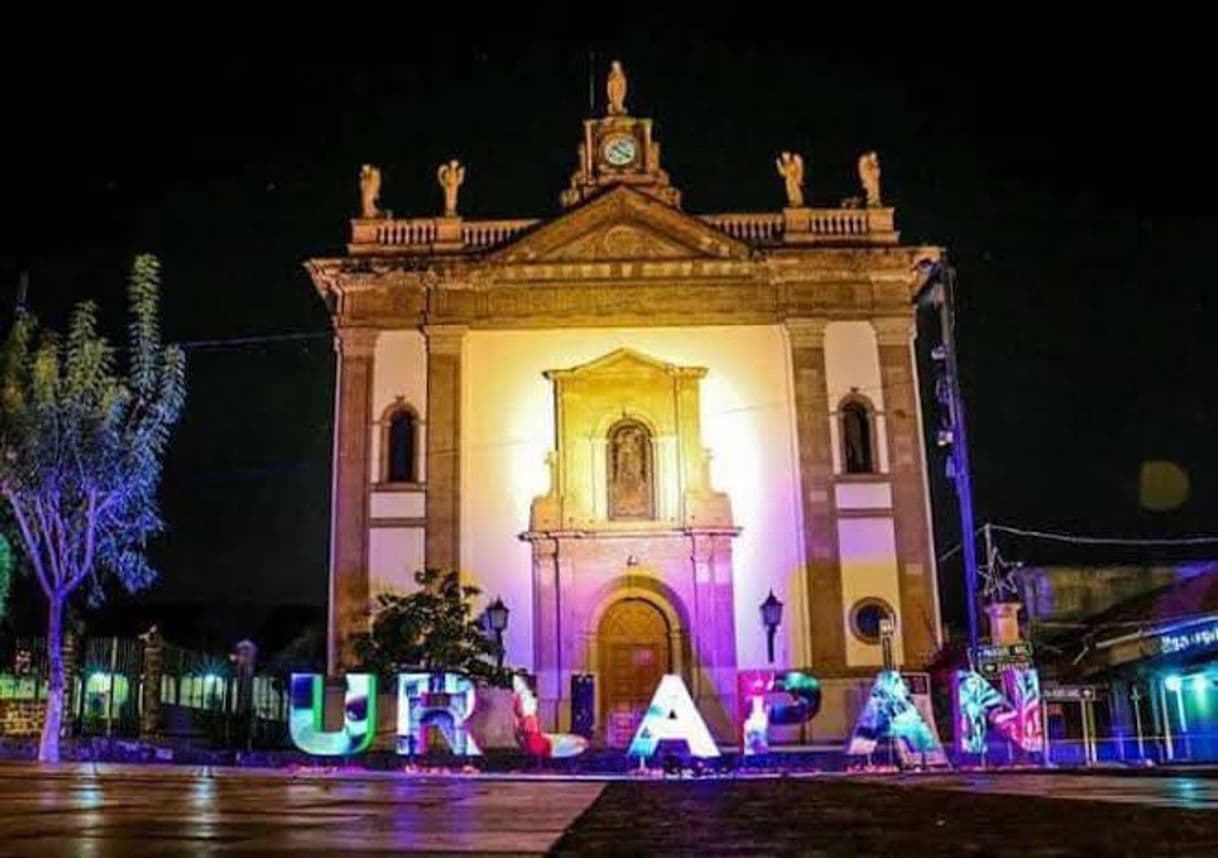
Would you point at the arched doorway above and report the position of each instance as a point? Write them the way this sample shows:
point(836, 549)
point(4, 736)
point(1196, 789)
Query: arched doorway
point(633, 652)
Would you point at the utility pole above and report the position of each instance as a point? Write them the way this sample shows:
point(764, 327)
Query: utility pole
point(938, 292)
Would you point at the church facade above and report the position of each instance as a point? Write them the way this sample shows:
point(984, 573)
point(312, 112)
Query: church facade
point(632, 424)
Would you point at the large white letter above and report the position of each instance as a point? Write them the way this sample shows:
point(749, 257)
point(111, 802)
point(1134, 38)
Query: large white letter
point(672, 715)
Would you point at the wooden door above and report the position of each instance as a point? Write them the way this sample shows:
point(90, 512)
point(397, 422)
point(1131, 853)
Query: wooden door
point(633, 653)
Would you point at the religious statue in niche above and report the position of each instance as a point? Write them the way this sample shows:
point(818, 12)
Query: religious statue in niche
point(630, 472)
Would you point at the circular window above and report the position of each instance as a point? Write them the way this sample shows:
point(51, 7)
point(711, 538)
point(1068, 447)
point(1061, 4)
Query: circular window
point(865, 618)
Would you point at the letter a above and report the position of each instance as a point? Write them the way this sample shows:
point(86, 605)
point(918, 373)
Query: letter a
point(672, 715)
point(359, 716)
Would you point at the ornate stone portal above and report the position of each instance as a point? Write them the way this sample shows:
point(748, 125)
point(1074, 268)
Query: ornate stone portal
point(631, 515)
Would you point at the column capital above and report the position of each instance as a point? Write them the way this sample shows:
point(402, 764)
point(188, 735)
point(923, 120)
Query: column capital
point(444, 339)
point(806, 332)
point(893, 330)
point(354, 342)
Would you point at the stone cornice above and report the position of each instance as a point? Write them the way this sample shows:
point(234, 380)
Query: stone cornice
point(830, 282)
point(806, 332)
point(893, 330)
point(444, 339)
point(356, 342)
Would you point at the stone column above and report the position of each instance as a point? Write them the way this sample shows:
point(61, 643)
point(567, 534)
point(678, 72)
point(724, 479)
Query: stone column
point(713, 671)
point(823, 567)
point(919, 612)
point(442, 546)
point(349, 596)
point(547, 642)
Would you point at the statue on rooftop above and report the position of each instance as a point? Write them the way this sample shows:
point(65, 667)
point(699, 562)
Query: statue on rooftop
point(369, 191)
point(791, 168)
point(869, 176)
point(451, 176)
point(617, 90)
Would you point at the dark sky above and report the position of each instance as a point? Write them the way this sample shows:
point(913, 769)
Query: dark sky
point(1070, 185)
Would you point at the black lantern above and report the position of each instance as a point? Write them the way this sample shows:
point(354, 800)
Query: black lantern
point(771, 616)
point(497, 619)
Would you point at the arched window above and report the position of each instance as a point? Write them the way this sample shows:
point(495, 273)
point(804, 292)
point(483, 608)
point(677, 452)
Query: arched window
point(401, 464)
point(857, 446)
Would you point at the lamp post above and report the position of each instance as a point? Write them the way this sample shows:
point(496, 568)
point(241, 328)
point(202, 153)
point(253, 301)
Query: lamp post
point(497, 617)
point(771, 616)
point(938, 293)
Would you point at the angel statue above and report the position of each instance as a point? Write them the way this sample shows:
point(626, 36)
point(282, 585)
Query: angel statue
point(869, 176)
point(791, 168)
point(617, 90)
point(369, 191)
point(451, 176)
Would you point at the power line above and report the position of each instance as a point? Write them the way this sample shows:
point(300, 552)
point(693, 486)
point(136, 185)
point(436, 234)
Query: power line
point(1103, 540)
point(262, 338)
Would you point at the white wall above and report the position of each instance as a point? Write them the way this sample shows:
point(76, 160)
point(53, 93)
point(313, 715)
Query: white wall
point(394, 555)
point(400, 369)
point(869, 569)
point(747, 422)
point(852, 360)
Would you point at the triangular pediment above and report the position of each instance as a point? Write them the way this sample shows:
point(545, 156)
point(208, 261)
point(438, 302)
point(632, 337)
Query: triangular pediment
point(622, 225)
point(624, 361)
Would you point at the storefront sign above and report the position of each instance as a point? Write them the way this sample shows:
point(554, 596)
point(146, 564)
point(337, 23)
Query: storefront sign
point(1204, 637)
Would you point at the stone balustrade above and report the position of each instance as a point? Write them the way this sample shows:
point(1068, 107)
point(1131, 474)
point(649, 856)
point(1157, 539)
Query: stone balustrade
point(790, 226)
point(488, 233)
point(758, 228)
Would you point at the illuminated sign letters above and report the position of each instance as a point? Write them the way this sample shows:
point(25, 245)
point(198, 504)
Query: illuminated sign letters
point(435, 701)
point(1197, 639)
point(773, 697)
point(672, 715)
point(891, 712)
point(978, 705)
point(359, 715)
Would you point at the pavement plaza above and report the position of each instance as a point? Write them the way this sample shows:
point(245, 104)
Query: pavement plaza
point(114, 810)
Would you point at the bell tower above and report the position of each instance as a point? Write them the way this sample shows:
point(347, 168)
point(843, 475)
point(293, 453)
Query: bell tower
point(618, 149)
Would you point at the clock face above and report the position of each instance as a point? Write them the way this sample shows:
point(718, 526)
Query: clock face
point(620, 151)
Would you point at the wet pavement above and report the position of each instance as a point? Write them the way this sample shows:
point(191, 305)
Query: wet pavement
point(889, 816)
point(110, 810)
point(1194, 793)
point(82, 811)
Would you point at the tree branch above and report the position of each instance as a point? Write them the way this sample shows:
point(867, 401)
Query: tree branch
point(31, 542)
point(86, 563)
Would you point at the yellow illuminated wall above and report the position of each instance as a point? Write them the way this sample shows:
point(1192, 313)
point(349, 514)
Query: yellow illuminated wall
point(747, 423)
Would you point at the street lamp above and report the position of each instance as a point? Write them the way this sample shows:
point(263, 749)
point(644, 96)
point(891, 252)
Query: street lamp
point(937, 292)
point(771, 616)
point(497, 617)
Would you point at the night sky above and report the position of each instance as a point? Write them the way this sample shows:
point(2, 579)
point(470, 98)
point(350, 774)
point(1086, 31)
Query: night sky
point(1066, 185)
